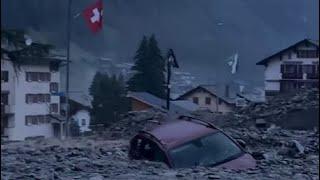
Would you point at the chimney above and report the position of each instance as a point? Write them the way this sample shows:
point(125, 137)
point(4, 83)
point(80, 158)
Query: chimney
point(226, 93)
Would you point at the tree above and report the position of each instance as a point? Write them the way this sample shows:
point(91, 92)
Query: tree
point(109, 99)
point(137, 82)
point(157, 69)
point(149, 69)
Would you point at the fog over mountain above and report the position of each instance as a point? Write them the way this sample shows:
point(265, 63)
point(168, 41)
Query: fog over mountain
point(203, 33)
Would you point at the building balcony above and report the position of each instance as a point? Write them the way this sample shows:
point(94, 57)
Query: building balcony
point(292, 76)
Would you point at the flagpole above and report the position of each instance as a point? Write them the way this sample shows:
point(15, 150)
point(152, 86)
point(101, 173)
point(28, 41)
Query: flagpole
point(68, 66)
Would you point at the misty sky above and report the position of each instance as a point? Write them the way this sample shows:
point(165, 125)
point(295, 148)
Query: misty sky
point(203, 33)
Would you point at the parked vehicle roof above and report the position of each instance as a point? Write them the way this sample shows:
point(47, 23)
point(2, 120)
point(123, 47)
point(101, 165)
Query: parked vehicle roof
point(177, 132)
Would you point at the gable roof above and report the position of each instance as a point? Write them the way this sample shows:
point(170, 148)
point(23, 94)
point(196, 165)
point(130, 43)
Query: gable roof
point(158, 103)
point(214, 90)
point(266, 60)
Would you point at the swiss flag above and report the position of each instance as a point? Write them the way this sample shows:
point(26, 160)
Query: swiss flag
point(93, 16)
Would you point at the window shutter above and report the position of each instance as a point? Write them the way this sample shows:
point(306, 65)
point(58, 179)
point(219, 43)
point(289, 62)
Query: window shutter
point(282, 68)
point(27, 96)
point(299, 69)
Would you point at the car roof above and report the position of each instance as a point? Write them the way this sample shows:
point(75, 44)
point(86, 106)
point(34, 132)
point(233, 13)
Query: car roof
point(177, 132)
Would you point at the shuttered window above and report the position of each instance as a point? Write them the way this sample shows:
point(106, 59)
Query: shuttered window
point(5, 76)
point(38, 76)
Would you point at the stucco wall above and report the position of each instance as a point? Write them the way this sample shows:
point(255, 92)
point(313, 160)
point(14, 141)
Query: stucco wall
point(214, 106)
point(18, 88)
point(82, 114)
point(272, 72)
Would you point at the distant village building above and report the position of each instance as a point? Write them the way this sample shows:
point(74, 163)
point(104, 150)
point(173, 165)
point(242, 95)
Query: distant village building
point(27, 100)
point(79, 112)
point(221, 98)
point(141, 101)
point(292, 68)
point(212, 97)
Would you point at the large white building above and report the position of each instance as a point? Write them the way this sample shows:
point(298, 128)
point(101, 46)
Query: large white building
point(292, 68)
point(27, 102)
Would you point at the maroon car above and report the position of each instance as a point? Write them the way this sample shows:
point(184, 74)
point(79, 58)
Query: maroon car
point(187, 142)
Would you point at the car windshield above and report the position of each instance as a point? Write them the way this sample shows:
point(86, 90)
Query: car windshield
point(205, 151)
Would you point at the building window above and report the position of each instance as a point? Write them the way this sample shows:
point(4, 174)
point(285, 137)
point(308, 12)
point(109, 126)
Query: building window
point(37, 98)
point(54, 87)
point(220, 101)
point(195, 100)
point(310, 69)
point(4, 98)
point(308, 54)
point(28, 120)
point(5, 76)
point(54, 108)
point(289, 68)
point(288, 86)
point(36, 119)
point(38, 76)
point(83, 122)
point(208, 100)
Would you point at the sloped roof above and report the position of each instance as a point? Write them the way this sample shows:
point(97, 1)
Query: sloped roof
point(215, 90)
point(158, 103)
point(266, 60)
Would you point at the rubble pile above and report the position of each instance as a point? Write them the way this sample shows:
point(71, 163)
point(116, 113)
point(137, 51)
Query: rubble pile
point(277, 108)
point(280, 153)
point(97, 159)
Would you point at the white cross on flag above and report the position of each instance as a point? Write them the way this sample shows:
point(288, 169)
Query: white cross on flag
point(93, 16)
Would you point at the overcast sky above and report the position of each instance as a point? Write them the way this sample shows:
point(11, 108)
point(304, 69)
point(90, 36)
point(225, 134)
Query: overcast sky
point(203, 33)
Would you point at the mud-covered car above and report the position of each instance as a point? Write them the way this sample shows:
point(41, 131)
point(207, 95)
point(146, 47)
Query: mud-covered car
point(186, 142)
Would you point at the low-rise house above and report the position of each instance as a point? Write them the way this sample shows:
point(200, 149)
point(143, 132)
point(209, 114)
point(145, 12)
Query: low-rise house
point(212, 97)
point(79, 112)
point(143, 101)
point(26, 97)
point(292, 68)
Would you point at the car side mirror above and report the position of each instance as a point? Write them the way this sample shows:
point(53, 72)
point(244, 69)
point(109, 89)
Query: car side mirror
point(241, 143)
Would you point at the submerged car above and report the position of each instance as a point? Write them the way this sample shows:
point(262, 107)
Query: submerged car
point(186, 142)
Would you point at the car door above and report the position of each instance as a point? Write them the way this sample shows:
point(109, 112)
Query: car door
point(142, 147)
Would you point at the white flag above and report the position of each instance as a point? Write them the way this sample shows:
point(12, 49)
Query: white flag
point(233, 62)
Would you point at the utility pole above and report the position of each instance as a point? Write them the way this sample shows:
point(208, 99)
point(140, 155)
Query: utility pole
point(171, 61)
point(68, 66)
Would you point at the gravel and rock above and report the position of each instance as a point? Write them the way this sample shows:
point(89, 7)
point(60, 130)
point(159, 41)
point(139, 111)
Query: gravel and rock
point(280, 153)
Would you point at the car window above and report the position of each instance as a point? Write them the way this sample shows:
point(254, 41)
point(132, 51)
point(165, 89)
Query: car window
point(206, 151)
point(142, 148)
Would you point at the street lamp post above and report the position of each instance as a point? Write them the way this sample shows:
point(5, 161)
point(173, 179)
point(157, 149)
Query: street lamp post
point(171, 61)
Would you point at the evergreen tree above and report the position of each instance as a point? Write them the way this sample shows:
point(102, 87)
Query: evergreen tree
point(109, 99)
point(149, 69)
point(137, 82)
point(156, 69)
